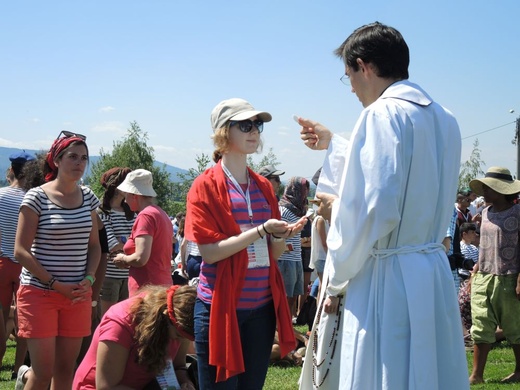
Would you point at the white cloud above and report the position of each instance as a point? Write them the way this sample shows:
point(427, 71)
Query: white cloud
point(109, 127)
point(107, 109)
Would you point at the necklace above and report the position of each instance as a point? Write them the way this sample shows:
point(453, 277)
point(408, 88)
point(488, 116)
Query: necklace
point(332, 344)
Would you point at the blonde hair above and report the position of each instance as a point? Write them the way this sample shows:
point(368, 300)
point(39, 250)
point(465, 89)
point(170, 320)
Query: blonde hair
point(221, 142)
point(150, 316)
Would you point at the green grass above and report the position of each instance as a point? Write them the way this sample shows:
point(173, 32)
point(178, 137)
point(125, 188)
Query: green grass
point(500, 364)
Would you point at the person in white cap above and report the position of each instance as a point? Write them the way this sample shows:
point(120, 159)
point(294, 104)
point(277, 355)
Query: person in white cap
point(495, 280)
point(148, 250)
point(233, 216)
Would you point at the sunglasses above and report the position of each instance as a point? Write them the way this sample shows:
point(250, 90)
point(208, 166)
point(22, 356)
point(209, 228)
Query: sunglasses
point(68, 134)
point(275, 178)
point(246, 126)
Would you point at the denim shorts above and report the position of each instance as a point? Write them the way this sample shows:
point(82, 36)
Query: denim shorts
point(292, 274)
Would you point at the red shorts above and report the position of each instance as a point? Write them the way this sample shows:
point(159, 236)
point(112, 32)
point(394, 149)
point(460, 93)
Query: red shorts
point(47, 313)
point(9, 280)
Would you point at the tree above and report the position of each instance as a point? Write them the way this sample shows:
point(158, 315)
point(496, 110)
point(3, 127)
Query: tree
point(182, 188)
point(134, 153)
point(269, 159)
point(472, 168)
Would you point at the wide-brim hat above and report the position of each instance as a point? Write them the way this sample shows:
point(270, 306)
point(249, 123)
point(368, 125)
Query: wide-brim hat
point(138, 182)
point(235, 109)
point(498, 179)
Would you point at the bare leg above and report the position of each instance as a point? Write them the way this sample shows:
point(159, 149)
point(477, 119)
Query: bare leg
point(65, 364)
point(43, 352)
point(21, 347)
point(480, 354)
point(515, 376)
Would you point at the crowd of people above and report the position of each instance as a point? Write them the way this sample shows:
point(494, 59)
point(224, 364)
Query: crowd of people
point(113, 293)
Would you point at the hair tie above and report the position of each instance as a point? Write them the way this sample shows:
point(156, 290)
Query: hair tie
point(171, 314)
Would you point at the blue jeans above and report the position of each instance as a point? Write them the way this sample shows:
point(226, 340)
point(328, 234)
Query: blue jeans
point(256, 333)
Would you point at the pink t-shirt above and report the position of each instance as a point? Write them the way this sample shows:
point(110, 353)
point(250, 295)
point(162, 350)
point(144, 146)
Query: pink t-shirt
point(116, 326)
point(152, 221)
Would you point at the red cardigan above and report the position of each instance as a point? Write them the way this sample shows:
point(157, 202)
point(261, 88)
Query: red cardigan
point(210, 220)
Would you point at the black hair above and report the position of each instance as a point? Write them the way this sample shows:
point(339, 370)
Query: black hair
point(382, 46)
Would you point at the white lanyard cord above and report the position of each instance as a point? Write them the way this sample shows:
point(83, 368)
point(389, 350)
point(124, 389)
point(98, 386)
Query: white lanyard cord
point(239, 189)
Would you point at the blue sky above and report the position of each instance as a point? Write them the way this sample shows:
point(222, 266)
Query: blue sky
point(94, 66)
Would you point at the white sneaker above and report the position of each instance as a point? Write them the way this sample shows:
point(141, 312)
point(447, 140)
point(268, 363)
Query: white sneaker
point(19, 378)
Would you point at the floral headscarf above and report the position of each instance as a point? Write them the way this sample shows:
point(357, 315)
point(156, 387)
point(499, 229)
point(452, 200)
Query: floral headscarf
point(295, 196)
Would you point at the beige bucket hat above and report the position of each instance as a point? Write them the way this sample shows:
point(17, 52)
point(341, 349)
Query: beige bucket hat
point(138, 182)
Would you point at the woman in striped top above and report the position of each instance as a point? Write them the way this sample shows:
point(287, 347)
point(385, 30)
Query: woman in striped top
point(57, 243)
point(232, 215)
point(118, 220)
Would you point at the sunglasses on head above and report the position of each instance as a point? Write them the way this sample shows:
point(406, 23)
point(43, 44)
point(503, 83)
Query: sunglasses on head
point(68, 134)
point(246, 125)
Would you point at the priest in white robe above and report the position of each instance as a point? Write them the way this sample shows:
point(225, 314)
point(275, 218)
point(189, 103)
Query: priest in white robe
point(388, 317)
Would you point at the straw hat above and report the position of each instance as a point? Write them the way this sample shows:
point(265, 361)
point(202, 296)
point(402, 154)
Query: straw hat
point(498, 179)
point(138, 182)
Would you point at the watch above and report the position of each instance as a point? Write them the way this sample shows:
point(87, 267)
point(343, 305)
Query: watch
point(94, 303)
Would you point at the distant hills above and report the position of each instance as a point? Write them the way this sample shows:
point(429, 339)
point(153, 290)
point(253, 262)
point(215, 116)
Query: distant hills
point(6, 152)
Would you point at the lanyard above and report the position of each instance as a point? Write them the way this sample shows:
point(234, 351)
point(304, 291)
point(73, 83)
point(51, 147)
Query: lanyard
point(239, 189)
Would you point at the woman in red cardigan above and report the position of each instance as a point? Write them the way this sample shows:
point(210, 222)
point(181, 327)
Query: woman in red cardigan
point(234, 218)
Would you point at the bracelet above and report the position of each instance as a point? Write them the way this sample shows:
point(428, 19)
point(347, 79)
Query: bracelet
point(51, 282)
point(265, 230)
point(91, 279)
point(258, 231)
point(276, 239)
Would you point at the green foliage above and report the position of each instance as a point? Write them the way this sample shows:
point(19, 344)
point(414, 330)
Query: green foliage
point(472, 168)
point(268, 159)
point(182, 188)
point(134, 153)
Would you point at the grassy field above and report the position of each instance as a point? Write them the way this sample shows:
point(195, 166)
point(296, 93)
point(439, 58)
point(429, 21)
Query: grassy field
point(499, 365)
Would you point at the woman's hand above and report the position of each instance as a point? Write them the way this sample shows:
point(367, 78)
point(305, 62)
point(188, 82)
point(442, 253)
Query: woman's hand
point(282, 229)
point(330, 305)
point(120, 261)
point(76, 292)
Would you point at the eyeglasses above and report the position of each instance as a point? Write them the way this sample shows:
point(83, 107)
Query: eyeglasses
point(68, 134)
point(246, 126)
point(345, 79)
point(275, 178)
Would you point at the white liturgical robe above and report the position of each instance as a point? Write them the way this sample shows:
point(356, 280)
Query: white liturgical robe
point(398, 326)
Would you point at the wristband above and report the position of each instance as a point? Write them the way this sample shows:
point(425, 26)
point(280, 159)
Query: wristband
point(91, 279)
point(276, 239)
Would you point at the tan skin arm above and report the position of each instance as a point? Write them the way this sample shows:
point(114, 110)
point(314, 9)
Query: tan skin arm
point(180, 361)
point(212, 253)
point(320, 227)
point(110, 366)
point(143, 249)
